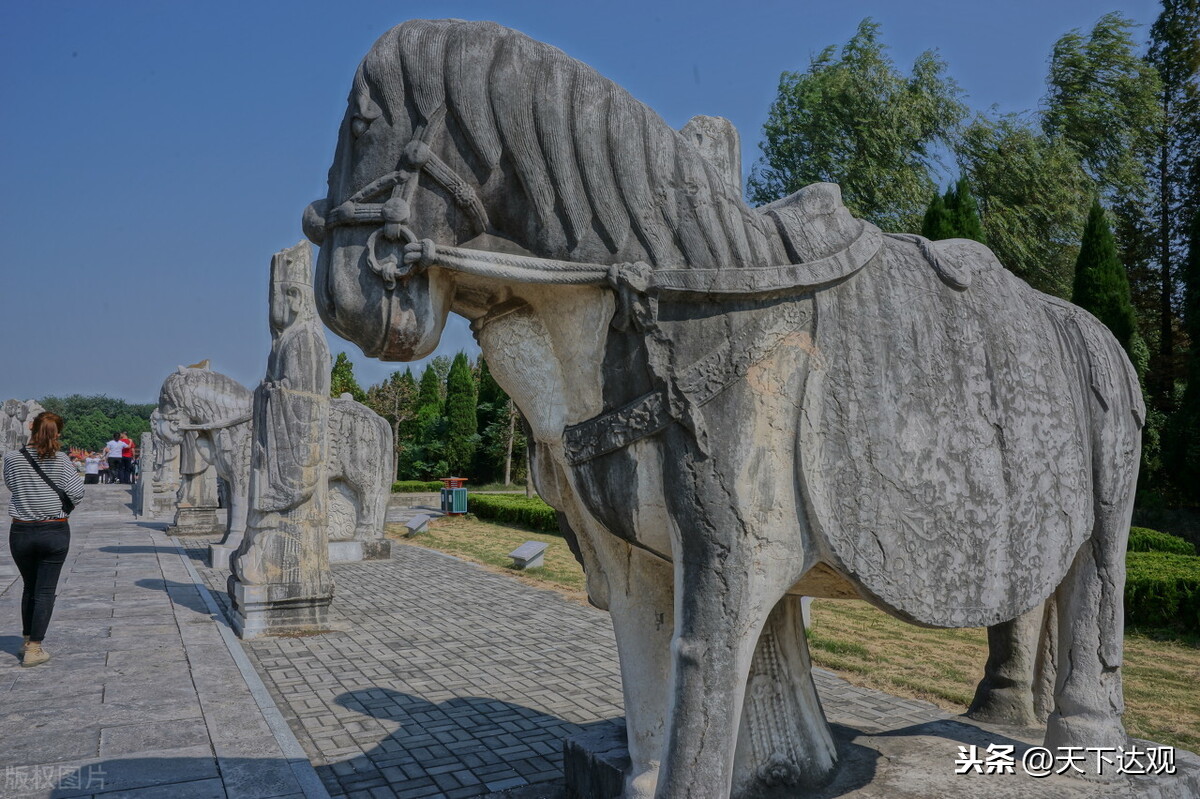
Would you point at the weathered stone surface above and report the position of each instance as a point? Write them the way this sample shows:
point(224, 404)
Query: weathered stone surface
point(206, 415)
point(732, 407)
point(320, 470)
point(15, 420)
point(529, 555)
point(281, 579)
point(595, 761)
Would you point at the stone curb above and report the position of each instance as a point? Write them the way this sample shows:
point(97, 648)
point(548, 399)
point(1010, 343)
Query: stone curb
point(302, 768)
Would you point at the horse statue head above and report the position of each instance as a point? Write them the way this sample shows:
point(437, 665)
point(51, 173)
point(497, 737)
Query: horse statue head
point(462, 137)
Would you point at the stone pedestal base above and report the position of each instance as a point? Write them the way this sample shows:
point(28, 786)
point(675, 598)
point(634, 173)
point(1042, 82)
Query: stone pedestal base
point(351, 551)
point(219, 555)
point(907, 762)
point(161, 503)
point(595, 761)
point(276, 608)
point(196, 521)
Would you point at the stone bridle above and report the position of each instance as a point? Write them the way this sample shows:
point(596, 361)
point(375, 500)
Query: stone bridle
point(392, 217)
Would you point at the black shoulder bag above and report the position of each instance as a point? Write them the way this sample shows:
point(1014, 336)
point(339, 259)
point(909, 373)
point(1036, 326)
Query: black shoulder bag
point(67, 504)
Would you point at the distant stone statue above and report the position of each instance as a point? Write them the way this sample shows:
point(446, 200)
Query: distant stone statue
point(14, 422)
point(161, 465)
point(207, 415)
point(281, 576)
point(732, 407)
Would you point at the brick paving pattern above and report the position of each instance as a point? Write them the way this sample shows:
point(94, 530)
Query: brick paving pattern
point(141, 696)
point(454, 681)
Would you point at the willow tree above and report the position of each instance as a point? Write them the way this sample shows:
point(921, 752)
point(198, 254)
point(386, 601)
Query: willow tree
point(853, 119)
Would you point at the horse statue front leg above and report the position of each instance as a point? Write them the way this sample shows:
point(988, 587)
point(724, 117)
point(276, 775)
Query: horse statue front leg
point(729, 578)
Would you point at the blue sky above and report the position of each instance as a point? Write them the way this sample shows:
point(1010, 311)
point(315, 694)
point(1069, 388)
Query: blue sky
point(153, 155)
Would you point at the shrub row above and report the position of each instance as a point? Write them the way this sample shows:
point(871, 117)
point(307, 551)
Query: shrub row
point(529, 511)
point(1142, 539)
point(415, 486)
point(1162, 589)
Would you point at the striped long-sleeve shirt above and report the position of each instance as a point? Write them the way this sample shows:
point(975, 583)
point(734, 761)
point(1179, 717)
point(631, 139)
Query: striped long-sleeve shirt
point(33, 500)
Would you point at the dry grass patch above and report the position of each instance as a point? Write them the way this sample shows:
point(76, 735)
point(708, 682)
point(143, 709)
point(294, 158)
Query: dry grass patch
point(489, 544)
point(867, 647)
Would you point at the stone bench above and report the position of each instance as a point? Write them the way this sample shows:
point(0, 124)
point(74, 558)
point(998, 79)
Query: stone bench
point(416, 524)
point(528, 555)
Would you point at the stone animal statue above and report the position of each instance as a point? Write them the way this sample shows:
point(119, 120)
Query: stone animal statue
point(207, 415)
point(15, 421)
point(734, 407)
point(211, 414)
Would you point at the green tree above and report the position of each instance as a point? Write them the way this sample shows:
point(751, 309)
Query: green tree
point(1100, 282)
point(429, 394)
point(853, 119)
point(1101, 100)
point(954, 215)
point(1175, 54)
point(91, 420)
point(461, 433)
point(395, 399)
point(1183, 454)
point(937, 224)
point(1033, 198)
point(341, 379)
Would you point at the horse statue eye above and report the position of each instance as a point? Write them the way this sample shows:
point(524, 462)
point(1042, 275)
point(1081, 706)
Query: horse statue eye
point(358, 126)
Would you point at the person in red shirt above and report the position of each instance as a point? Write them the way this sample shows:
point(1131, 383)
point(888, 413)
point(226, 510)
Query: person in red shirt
point(126, 458)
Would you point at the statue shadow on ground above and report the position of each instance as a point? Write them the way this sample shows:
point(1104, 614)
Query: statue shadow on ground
point(199, 556)
point(477, 735)
point(185, 594)
point(12, 644)
point(156, 776)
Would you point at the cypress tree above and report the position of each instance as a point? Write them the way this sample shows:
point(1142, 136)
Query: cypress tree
point(936, 225)
point(1185, 439)
point(954, 215)
point(429, 396)
point(964, 212)
point(1101, 285)
point(341, 379)
point(461, 438)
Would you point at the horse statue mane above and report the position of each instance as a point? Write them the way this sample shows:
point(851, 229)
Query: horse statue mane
point(203, 395)
point(606, 178)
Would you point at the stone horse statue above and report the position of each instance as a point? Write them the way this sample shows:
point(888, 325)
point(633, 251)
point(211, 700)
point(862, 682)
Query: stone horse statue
point(209, 415)
point(734, 407)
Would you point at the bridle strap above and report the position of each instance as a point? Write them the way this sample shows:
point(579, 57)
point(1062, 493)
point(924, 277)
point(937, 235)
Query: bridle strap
point(418, 157)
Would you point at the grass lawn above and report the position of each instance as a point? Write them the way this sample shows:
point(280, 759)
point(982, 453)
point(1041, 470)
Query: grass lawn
point(867, 647)
point(489, 543)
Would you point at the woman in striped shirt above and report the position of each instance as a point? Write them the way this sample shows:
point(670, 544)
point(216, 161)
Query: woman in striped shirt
point(40, 536)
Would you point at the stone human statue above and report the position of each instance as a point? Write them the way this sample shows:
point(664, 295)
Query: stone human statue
point(285, 555)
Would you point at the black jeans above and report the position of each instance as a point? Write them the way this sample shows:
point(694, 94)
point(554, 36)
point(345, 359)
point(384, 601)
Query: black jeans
point(114, 470)
point(39, 550)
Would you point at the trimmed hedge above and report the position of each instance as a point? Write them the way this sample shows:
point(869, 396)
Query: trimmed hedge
point(529, 511)
point(1162, 589)
point(1142, 539)
point(416, 486)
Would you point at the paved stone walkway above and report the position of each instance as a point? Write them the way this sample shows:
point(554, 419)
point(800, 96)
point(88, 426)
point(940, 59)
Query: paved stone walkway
point(142, 696)
point(448, 680)
point(454, 681)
